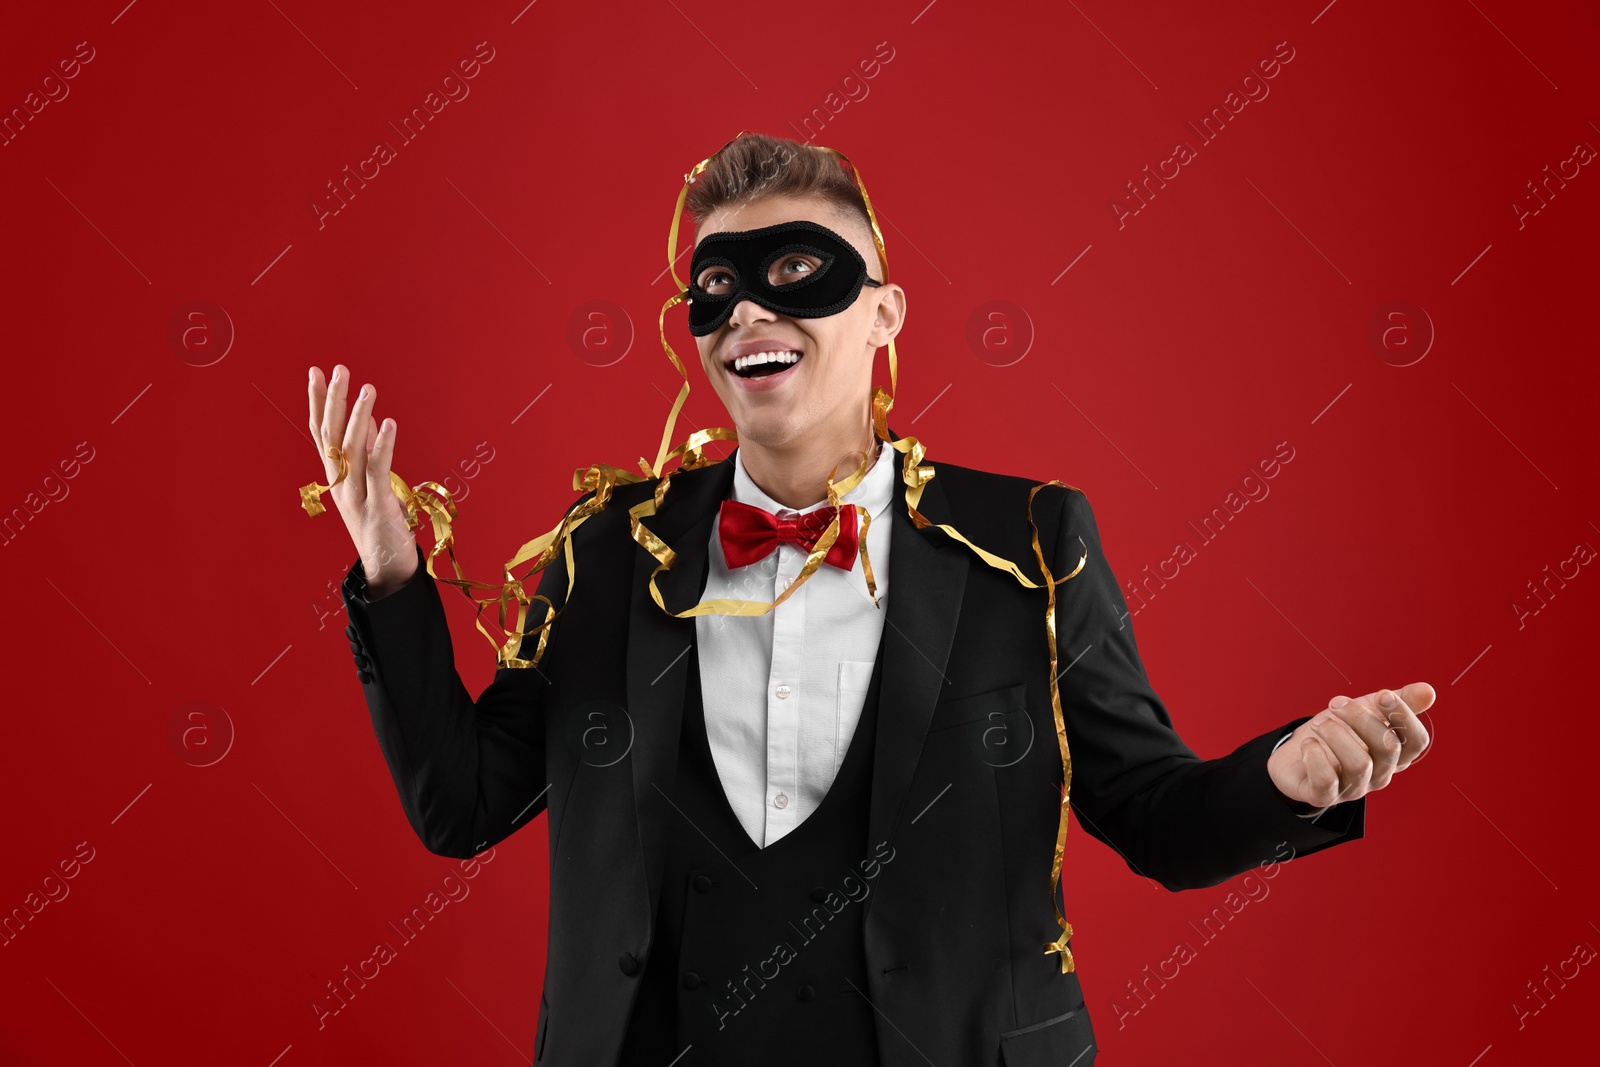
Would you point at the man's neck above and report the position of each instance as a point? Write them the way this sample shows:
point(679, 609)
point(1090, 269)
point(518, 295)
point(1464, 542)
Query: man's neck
point(798, 477)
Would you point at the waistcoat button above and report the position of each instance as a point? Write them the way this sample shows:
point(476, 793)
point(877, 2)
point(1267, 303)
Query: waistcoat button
point(819, 895)
point(629, 964)
point(806, 993)
point(691, 981)
point(702, 884)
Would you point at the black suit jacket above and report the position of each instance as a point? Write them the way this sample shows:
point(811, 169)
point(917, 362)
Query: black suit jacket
point(965, 779)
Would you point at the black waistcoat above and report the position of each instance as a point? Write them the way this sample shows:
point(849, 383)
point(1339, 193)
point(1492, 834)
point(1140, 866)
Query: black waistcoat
point(758, 955)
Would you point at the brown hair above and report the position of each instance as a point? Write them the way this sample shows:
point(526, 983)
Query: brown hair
point(755, 166)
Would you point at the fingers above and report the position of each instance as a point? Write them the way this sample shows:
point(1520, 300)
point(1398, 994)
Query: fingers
point(328, 415)
point(1370, 722)
point(1419, 696)
point(318, 391)
point(355, 433)
point(1349, 748)
point(318, 394)
point(1321, 772)
point(333, 412)
point(1357, 746)
point(1406, 724)
point(382, 455)
point(1403, 718)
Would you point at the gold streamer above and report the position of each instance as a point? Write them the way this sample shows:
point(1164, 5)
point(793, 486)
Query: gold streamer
point(602, 479)
point(311, 495)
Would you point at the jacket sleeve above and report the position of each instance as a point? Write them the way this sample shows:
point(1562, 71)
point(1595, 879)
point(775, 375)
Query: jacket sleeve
point(1174, 817)
point(469, 773)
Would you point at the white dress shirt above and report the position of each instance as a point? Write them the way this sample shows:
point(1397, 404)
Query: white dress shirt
point(783, 691)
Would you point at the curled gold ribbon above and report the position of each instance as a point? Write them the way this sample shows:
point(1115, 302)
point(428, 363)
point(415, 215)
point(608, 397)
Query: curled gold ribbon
point(311, 495)
point(602, 479)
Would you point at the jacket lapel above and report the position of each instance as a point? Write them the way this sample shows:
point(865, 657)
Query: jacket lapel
point(928, 574)
point(659, 646)
point(928, 578)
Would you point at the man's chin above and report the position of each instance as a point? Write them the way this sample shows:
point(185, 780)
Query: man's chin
point(768, 432)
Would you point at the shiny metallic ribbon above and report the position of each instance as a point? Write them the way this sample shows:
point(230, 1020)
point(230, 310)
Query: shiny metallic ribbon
point(602, 479)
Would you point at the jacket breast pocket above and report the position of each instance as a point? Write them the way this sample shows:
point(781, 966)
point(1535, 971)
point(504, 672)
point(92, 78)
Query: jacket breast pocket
point(994, 726)
point(978, 707)
point(1064, 1041)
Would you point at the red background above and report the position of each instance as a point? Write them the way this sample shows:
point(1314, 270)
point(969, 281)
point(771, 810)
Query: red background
point(1231, 313)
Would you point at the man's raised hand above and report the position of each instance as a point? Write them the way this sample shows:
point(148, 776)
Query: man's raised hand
point(1352, 748)
point(365, 499)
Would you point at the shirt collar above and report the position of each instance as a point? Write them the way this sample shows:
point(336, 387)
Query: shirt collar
point(873, 492)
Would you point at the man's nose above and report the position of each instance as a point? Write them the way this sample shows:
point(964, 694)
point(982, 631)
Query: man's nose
point(747, 311)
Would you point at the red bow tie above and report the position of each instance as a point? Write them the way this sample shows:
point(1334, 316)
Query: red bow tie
point(749, 533)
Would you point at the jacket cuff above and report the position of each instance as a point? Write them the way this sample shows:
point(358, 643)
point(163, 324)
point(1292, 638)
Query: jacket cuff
point(355, 583)
point(394, 630)
point(1259, 803)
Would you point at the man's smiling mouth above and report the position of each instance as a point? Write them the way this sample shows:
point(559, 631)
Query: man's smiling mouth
point(763, 364)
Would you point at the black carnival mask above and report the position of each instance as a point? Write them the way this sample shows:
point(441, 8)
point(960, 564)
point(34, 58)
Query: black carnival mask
point(751, 265)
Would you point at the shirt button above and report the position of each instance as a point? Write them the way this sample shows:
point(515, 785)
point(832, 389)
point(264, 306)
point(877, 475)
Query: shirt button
point(783, 692)
point(780, 801)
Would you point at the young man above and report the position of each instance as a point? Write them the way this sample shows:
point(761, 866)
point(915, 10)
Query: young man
point(817, 832)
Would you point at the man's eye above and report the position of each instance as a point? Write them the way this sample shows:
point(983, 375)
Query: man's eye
point(715, 279)
point(791, 269)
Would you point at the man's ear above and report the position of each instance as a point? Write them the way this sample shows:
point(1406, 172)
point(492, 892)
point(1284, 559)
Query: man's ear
point(889, 314)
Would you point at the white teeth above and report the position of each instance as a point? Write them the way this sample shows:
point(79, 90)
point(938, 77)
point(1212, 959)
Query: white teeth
point(758, 358)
